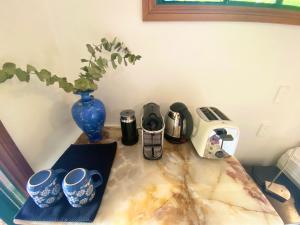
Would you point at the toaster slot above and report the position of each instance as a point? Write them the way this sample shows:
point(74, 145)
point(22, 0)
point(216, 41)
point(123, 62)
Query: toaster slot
point(221, 115)
point(209, 115)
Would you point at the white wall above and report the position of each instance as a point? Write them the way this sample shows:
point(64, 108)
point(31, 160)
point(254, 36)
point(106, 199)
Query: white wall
point(235, 66)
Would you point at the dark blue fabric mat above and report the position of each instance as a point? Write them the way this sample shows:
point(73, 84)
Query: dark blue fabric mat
point(92, 157)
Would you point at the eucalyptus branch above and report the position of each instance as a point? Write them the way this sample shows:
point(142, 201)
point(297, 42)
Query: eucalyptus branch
point(9, 70)
point(92, 71)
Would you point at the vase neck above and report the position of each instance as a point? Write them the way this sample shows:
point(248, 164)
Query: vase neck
point(85, 96)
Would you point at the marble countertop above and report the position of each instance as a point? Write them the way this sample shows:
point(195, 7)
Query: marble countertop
point(181, 188)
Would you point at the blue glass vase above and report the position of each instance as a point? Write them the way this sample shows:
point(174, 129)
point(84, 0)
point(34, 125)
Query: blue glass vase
point(89, 114)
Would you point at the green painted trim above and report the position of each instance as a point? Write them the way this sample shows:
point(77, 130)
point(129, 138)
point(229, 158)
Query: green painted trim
point(8, 209)
point(264, 5)
point(7, 185)
point(277, 5)
point(163, 2)
point(11, 196)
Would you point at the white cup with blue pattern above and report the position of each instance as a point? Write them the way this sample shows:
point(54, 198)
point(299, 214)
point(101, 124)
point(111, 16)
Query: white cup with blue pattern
point(44, 187)
point(79, 187)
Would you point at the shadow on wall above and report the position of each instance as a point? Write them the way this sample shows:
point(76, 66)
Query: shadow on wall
point(62, 126)
point(158, 93)
point(61, 116)
point(39, 119)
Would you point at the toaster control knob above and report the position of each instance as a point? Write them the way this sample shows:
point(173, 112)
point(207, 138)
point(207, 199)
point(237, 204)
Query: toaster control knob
point(219, 154)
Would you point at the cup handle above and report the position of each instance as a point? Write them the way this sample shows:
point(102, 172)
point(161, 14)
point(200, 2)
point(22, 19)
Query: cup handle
point(95, 172)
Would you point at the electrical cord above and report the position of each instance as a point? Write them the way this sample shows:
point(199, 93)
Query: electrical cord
point(283, 168)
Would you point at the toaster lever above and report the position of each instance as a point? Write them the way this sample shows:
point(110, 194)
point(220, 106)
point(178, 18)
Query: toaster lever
point(226, 137)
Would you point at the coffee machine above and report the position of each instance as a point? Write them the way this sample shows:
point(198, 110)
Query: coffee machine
point(152, 131)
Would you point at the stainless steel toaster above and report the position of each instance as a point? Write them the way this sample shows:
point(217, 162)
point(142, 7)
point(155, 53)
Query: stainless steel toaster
point(214, 136)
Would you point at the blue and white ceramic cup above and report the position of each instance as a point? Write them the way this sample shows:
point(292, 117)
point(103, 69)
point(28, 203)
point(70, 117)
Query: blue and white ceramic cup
point(44, 187)
point(79, 187)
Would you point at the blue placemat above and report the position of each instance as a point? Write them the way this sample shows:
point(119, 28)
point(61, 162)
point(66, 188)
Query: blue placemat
point(92, 157)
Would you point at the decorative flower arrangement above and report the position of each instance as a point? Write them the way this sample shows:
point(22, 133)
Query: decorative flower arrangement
point(102, 55)
point(88, 113)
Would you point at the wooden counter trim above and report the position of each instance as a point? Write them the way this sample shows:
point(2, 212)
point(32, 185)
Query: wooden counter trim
point(13, 162)
point(155, 12)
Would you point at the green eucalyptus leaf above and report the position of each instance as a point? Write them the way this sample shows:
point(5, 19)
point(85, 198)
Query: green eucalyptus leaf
point(104, 40)
point(95, 71)
point(91, 49)
point(83, 84)
point(102, 62)
point(95, 66)
point(93, 86)
point(88, 76)
point(118, 45)
point(113, 58)
point(105, 62)
point(9, 76)
point(30, 68)
point(62, 82)
point(3, 76)
point(85, 68)
point(126, 50)
point(114, 65)
point(98, 48)
point(84, 60)
point(44, 75)
point(119, 58)
point(107, 46)
point(138, 57)
point(52, 80)
point(22, 75)
point(131, 58)
point(9, 68)
point(68, 88)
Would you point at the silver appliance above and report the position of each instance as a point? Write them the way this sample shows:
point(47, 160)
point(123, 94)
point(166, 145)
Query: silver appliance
point(215, 136)
point(152, 131)
point(179, 124)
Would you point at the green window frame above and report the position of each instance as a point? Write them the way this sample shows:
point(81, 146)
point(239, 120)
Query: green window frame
point(11, 199)
point(273, 4)
point(270, 11)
